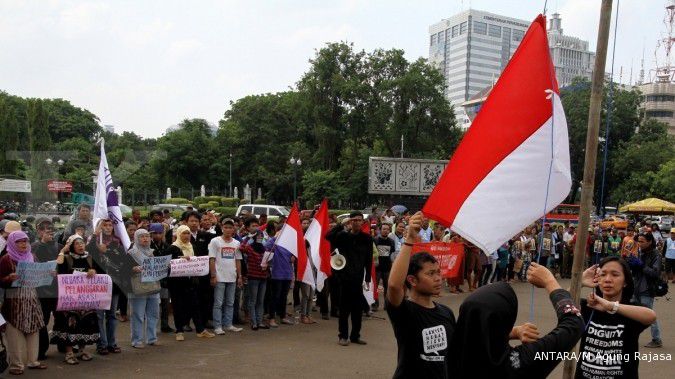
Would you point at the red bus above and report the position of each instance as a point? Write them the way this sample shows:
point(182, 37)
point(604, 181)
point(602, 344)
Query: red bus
point(564, 212)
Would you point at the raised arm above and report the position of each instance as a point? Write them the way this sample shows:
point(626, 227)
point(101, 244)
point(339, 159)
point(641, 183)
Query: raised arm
point(399, 269)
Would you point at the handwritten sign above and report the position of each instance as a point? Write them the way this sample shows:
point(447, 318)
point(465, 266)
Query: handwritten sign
point(34, 274)
point(196, 266)
point(78, 292)
point(155, 268)
point(450, 256)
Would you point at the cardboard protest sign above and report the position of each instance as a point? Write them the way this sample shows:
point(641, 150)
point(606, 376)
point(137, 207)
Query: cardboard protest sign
point(34, 274)
point(78, 292)
point(196, 266)
point(155, 268)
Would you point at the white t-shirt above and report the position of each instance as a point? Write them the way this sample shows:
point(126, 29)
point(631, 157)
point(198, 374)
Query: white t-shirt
point(226, 254)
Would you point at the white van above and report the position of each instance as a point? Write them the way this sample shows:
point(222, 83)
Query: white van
point(273, 211)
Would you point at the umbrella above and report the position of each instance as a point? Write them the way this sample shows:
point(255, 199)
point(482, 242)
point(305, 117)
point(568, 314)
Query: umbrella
point(651, 205)
point(399, 208)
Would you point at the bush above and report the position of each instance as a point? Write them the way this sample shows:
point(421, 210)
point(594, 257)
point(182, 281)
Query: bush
point(217, 199)
point(200, 200)
point(260, 201)
point(244, 201)
point(204, 206)
point(230, 202)
point(226, 211)
point(177, 200)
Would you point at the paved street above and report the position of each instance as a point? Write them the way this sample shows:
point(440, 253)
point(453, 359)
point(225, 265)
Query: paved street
point(304, 351)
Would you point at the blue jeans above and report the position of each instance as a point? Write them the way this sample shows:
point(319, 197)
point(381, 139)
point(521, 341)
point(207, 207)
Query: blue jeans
point(223, 304)
point(256, 297)
point(144, 308)
point(648, 302)
point(107, 324)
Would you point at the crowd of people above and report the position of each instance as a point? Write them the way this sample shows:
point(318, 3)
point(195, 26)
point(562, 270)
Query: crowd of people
point(245, 287)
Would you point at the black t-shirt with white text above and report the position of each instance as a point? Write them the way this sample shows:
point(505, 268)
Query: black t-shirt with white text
point(385, 247)
point(422, 335)
point(608, 346)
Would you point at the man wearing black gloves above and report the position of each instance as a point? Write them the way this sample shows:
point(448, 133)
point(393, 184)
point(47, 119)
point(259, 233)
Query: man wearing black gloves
point(357, 248)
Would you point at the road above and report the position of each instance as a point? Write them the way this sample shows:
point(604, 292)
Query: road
point(306, 351)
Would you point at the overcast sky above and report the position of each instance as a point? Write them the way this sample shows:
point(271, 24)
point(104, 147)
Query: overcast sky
point(143, 66)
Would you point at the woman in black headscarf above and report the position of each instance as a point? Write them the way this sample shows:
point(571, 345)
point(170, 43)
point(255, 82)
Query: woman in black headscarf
point(480, 346)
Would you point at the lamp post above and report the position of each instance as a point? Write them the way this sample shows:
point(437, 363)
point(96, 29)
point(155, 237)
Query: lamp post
point(295, 163)
point(230, 174)
point(60, 163)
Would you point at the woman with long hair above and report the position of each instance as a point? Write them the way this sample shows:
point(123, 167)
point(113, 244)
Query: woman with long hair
point(613, 322)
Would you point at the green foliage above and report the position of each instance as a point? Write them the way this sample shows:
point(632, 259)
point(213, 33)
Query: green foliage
point(230, 202)
point(203, 206)
point(260, 201)
point(226, 211)
point(199, 200)
point(176, 200)
point(9, 134)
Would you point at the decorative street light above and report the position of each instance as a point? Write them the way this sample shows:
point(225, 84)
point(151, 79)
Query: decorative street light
point(231, 174)
point(295, 163)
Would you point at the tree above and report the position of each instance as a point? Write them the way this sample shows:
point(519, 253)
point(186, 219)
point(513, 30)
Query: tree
point(40, 145)
point(9, 134)
point(67, 121)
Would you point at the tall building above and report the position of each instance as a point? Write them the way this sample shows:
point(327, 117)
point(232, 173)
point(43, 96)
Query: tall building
point(570, 55)
point(659, 101)
point(471, 49)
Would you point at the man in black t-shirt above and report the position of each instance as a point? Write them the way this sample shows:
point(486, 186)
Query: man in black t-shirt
point(385, 248)
point(423, 328)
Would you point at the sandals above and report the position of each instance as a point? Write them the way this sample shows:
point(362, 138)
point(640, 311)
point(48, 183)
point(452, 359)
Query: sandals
point(84, 357)
point(39, 366)
point(16, 371)
point(114, 349)
point(70, 359)
point(102, 351)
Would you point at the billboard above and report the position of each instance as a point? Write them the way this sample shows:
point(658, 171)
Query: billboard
point(60, 186)
point(13, 185)
point(403, 176)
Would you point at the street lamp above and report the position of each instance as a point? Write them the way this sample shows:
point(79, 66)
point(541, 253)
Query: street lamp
point(231, 174)
point(295, 163)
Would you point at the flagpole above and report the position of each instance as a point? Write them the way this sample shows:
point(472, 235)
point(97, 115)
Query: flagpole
point(590, 161)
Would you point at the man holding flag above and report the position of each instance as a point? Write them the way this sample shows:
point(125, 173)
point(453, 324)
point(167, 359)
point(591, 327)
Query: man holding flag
point(320, 249)
point(357, 248)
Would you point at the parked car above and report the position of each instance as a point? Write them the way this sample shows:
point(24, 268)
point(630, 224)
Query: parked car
point(615, 222)
point(272, 211)
point(665, 223)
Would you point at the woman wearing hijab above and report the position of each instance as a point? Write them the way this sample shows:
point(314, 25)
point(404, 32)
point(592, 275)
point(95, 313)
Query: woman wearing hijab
point(109, 258)
point(21, 308)
point(143, 307)
point(185, 290)
point(480, 346)
point(75, 328)
point(611, 317)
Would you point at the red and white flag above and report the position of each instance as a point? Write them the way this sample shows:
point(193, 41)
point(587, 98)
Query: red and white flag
point(319, 247)
point(513, 163)
point(291, 240)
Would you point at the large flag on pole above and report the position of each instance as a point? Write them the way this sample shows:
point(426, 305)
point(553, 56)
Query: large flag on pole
point(106, 205)
point(291, 240)
point(319, 246)
point(513, 164)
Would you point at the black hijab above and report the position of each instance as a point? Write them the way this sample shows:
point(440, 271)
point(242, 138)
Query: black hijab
point(480, 346)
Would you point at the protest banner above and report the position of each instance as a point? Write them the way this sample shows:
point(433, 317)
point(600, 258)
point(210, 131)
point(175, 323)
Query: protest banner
point(196, 266)
point(34, 274)
point(78, 292)
point(155, 268)
point(450, 256)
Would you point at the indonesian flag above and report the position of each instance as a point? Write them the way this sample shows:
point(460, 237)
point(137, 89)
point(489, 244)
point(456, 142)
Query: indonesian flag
point(319, 246)
point(513, 164)
point(291, 240)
